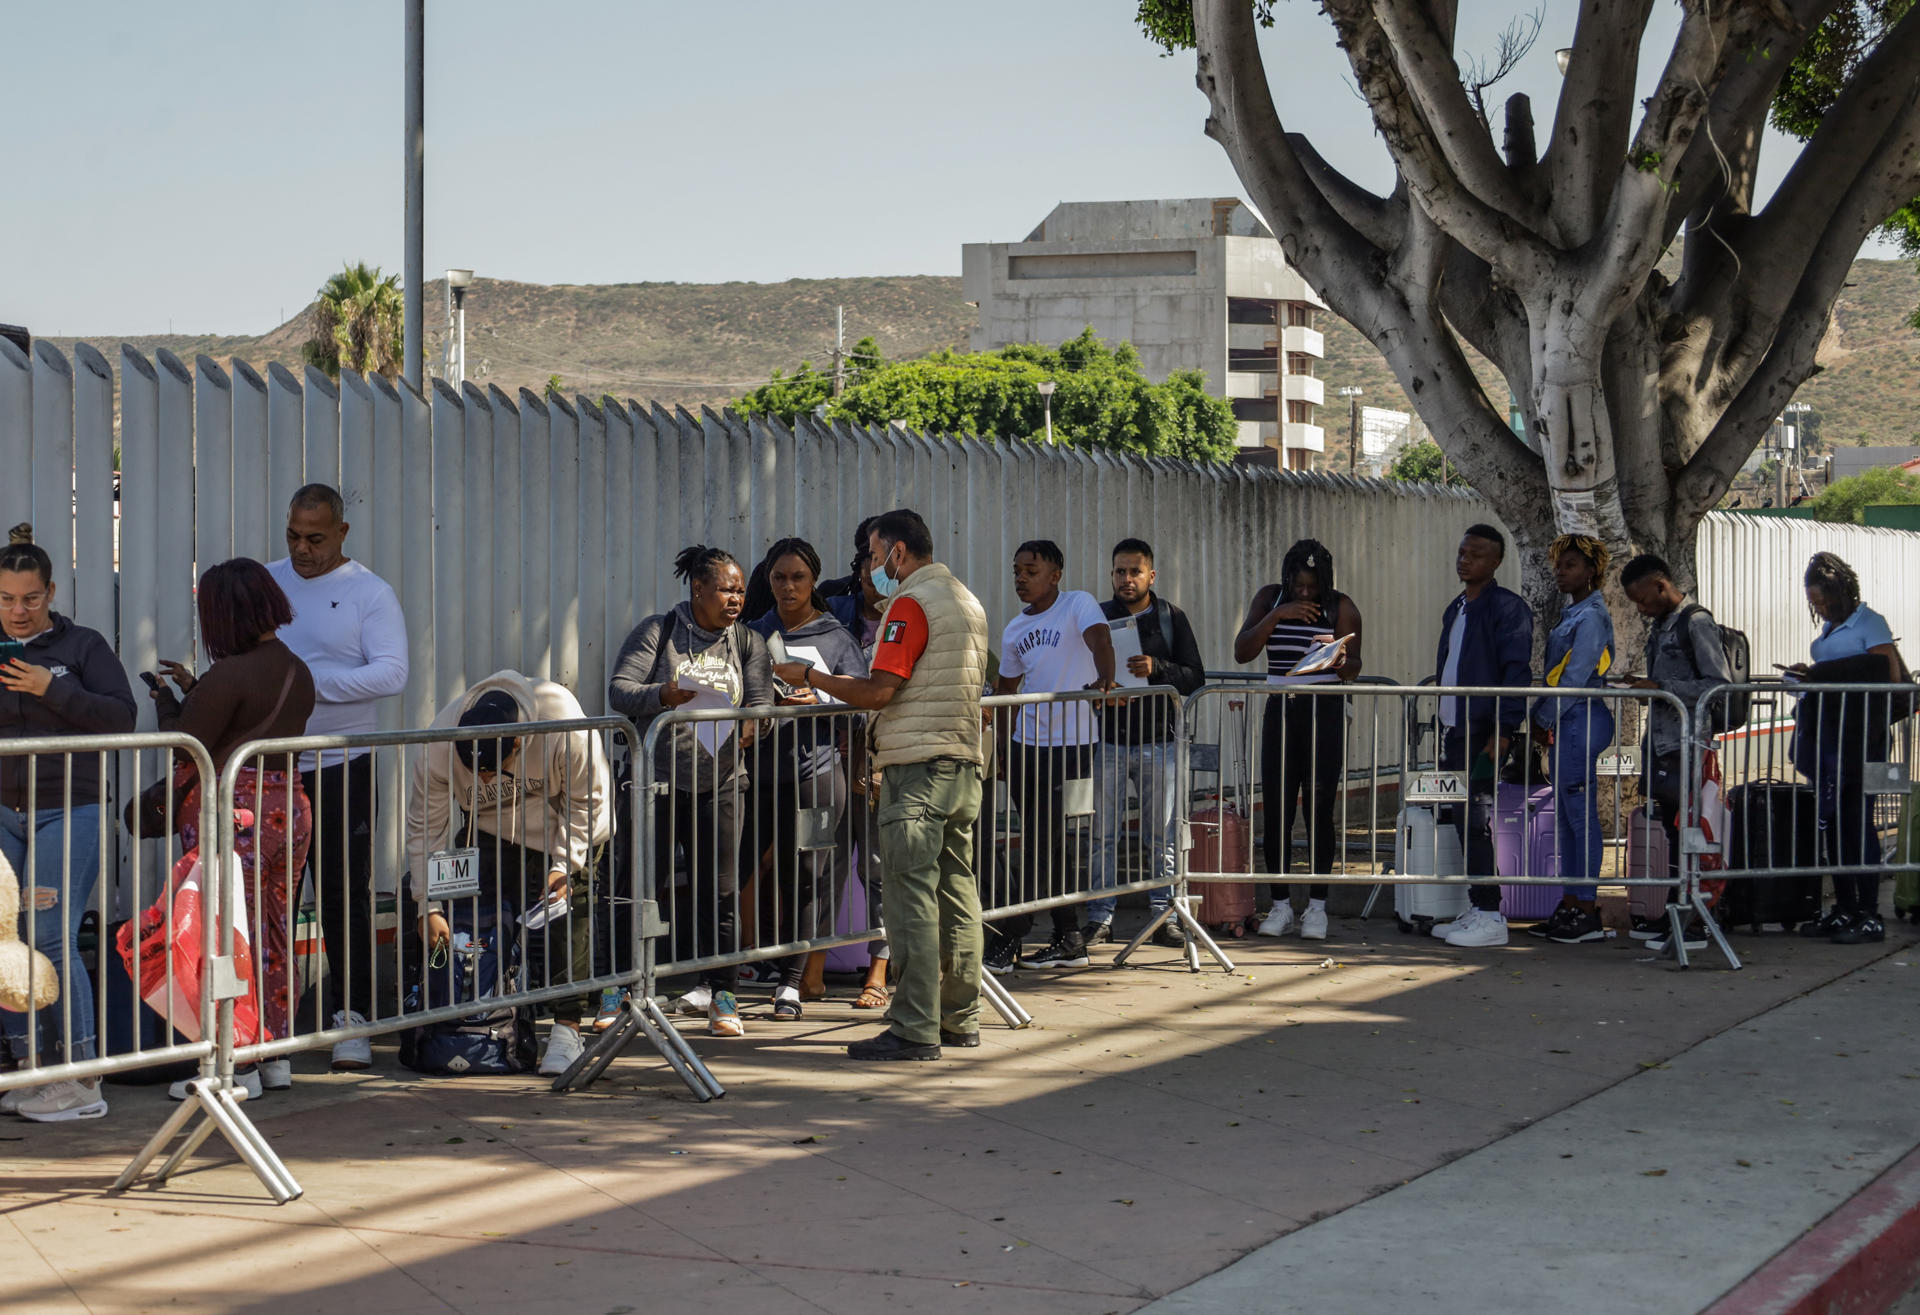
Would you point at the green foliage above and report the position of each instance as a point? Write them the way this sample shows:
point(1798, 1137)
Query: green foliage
point(1843, 499)
point(1822, 70)
point(1169, 23)
point(1420, 463)
point(358, 322)
point(1101, 399)
point(556, 386)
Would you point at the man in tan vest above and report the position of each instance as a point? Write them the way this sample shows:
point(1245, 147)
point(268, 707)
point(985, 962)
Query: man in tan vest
point(929, 670)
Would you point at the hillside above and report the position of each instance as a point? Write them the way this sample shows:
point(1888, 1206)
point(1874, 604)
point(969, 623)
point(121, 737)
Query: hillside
point(684, 343)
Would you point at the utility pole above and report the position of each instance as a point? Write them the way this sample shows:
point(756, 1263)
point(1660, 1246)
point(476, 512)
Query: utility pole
point(413, 366)
point(1353, 428)
point(839, 350)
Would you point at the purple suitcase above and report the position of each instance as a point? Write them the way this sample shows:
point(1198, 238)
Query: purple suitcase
point(1524, 842)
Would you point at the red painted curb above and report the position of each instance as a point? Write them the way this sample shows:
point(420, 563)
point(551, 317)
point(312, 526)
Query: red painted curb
point(1859, 1260)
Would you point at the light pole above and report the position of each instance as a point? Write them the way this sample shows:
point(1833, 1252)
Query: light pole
point(1789, 451)
point(1046, 388)
point(413, 349)
point(1353, 427)
point(458, 281)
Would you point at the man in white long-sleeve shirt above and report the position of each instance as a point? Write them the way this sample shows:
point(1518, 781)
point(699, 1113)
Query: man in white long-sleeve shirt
point(348, 629)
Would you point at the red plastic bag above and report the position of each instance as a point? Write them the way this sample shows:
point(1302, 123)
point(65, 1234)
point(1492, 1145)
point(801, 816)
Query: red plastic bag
point(171, 963)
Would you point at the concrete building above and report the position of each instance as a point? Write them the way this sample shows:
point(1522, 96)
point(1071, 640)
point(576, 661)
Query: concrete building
point(1195, 284)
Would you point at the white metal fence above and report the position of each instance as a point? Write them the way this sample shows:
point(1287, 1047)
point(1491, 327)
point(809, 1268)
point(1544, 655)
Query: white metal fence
point(533, 532)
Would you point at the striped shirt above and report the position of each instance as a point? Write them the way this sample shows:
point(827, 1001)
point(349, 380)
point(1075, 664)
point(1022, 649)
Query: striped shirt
point(1290, 641)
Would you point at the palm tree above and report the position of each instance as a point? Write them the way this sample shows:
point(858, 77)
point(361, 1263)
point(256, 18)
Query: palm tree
point(358, 322)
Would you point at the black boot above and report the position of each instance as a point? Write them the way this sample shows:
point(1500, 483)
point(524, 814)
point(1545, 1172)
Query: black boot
point(891, 1045)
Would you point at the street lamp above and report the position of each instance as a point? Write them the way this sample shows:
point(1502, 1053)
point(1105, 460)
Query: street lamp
point(1785, 478)
point(1046, 388)
point(1353, 426)
point(458, 281)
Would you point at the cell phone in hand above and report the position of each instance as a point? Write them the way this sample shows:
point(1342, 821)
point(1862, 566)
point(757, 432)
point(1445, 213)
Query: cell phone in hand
point(12, 650)
point(153, 681)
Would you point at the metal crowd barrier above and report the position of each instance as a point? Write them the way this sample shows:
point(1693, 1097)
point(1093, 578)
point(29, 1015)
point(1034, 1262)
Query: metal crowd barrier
point(1818, 780)
point(1390, 795)
point(147, 1007)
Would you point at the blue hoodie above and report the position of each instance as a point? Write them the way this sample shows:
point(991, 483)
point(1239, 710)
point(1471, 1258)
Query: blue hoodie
point(1497, 650)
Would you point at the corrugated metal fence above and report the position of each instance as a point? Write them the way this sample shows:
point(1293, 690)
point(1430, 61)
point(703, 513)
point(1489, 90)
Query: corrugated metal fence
point(534, 533)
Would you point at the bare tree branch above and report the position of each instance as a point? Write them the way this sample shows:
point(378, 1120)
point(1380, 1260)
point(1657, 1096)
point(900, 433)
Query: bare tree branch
point(1594, 117)
point(1510, 48)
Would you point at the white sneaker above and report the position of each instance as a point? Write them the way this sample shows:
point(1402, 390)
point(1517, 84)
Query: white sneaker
point(1487, 928)
point(1313, 924)
point(1442, 930)
point(353, 1055)
point(695, 1002)
point(248, 1082)
point(10, 1103)
point(60, 1102)
point(1279, 919)
point(563, 1047)
point(276, 1074)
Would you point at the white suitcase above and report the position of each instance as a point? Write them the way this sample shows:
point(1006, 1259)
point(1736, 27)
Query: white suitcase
point(1425, 847)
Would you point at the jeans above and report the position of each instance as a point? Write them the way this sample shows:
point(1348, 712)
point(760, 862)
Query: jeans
point(1584, 731)
point(1847, 837)
point(926, 816)
point(1475, 821)
point(1150, 769)
point(62, 837)
point(1303, 759)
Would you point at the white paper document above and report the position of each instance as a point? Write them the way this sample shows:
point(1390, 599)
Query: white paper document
point(1126, 646)
point(1324, 656)
point(710, 735)
point(807, 653)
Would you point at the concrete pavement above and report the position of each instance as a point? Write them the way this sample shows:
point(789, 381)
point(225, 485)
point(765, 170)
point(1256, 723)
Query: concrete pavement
point(1155, 1128)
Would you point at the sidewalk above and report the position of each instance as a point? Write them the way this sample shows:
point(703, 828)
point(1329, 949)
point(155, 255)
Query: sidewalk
point(1157, 1127)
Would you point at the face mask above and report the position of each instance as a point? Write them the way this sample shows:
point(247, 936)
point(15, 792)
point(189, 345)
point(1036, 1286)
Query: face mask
point(883, 584)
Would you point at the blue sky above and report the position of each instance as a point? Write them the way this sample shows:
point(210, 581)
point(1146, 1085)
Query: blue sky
point(203, 167)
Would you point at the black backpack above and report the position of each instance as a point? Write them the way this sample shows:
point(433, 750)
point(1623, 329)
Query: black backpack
point(494, 1039)
point(1733, 708)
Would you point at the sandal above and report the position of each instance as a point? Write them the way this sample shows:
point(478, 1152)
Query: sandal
point(809, 994)
point(871, 997)
point(786, 1009)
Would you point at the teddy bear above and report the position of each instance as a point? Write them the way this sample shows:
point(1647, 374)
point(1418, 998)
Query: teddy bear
point(27, 979)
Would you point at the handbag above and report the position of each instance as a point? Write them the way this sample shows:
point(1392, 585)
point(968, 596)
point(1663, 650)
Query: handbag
point(146, 817)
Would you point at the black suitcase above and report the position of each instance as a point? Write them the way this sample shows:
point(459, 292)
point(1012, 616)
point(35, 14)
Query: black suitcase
point(1775, 824)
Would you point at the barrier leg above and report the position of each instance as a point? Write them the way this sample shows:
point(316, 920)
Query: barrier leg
point(1003, 1002)
point(640, 1017)
point(1373, 898)
point(218, 1108)
point(1198, 939)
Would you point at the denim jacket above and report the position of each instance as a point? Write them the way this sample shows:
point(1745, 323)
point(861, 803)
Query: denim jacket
point(1579, 655)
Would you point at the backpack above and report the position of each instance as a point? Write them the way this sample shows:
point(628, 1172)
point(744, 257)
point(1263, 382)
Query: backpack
point(1733, 709)
point(492, 1040)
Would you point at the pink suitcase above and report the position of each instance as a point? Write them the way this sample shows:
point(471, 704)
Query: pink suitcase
point(1524, 842)
point(1647, 855)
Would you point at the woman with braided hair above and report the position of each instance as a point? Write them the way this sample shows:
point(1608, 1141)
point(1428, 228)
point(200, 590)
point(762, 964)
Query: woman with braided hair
point(1303, 736)
point(669, 659)
point(1579, 655)
point(1837, 735)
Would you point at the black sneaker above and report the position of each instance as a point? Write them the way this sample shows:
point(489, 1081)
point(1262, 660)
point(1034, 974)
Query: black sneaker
point(891, 1045)
point(1860, 929)
point(1170, 934)
point(1554, 921)
point(965, 1040)
point(1694, 938)
point(1579, 926)
point(1824, 926)
point(1065, 950)
point(1097, 933)
point(1002, 952)
point(1648, 929)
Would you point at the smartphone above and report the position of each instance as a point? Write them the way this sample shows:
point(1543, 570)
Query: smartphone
point(11, 650)
point(153, 681)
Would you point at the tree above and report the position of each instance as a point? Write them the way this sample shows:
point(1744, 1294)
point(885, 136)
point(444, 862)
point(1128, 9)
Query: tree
point(1101, 398)
point(1644, 392)
point(1420, 463)
point(1843, 499)
point(358, 322)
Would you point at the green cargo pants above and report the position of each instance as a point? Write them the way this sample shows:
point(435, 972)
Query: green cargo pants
point(930, 900)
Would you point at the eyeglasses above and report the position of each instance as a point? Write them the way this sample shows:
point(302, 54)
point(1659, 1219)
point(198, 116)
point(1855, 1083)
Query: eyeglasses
point(31, 602)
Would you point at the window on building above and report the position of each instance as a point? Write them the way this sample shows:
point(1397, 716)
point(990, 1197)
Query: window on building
point(1299, 413)
point(1247, 310)
point(1299, 315)
point(1262, 409)
point(1300, 363)
point(1259, 362)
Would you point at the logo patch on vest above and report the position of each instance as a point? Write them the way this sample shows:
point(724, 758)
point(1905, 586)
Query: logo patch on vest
point(896, 631)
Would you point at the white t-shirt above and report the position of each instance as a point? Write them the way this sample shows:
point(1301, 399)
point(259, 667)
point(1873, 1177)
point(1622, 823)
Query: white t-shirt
point(1049, 653)
point(1450, 707)
point(348, 629)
